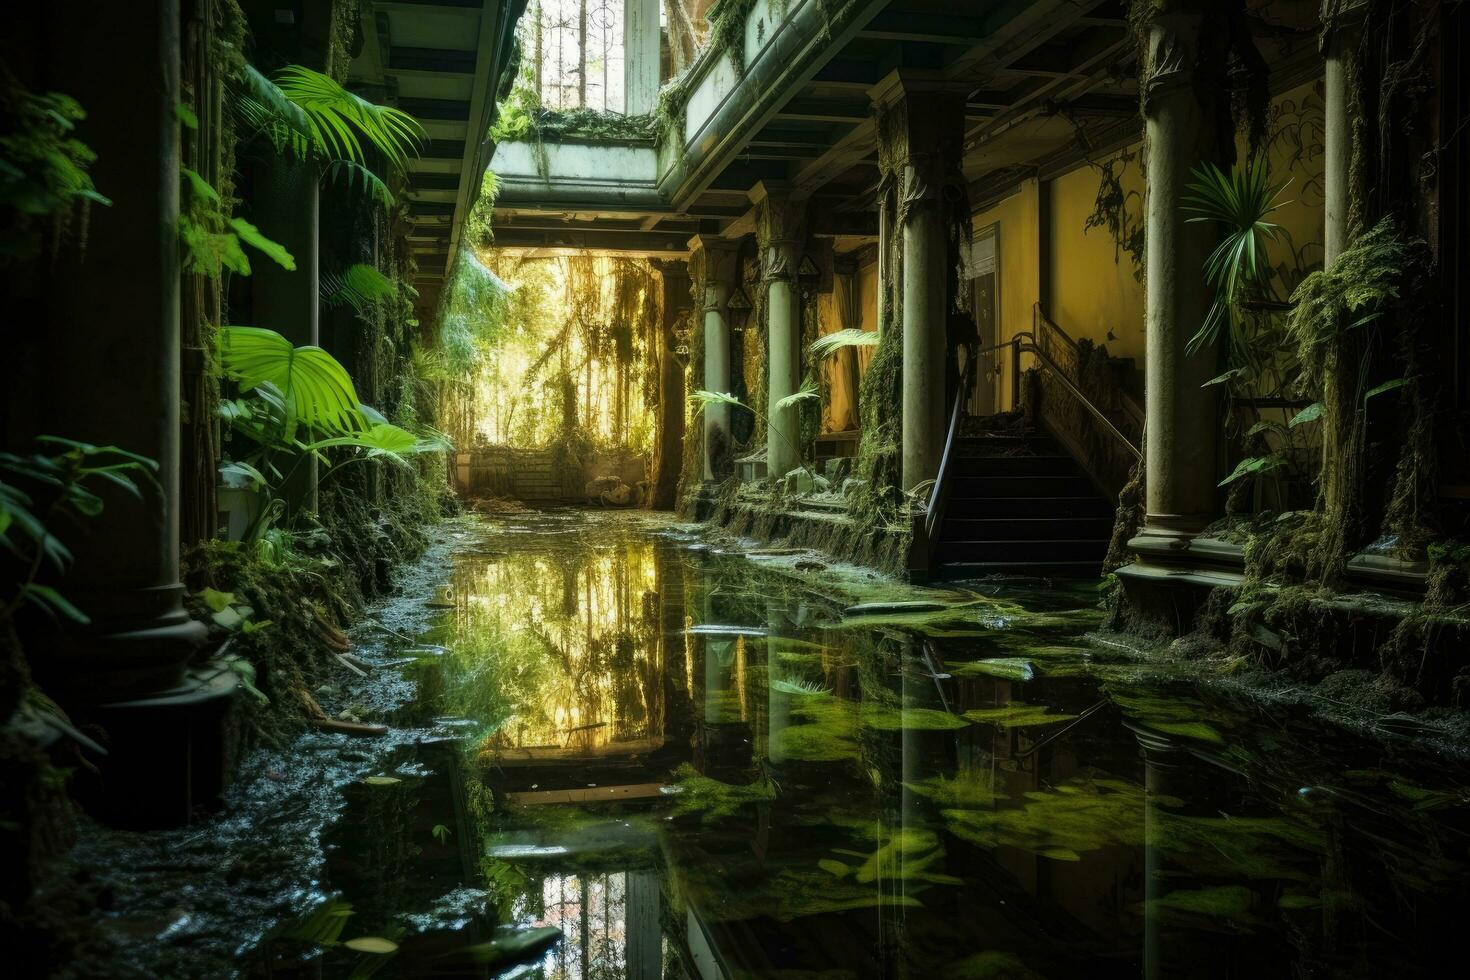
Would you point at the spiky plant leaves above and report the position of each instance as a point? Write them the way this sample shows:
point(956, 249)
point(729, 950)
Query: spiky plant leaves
point(360, 287)
point(1239, 202)
point(807, 393)
point(702, 398)
point(251, 235)
point(850, 337)
point(336, 117)
point(317, 391)
point(356, 176)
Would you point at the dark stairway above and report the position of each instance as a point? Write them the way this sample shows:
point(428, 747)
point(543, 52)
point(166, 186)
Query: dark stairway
point(1019, 505)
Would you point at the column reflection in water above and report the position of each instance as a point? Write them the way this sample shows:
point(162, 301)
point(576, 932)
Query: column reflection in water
point(1160, 759)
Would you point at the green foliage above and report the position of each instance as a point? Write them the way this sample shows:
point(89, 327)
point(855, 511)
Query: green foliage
point(315, 389)
point(211, 240)
point(43, 169)
point(338, 121)
point(478, 230)
point(309, 116)
point(302, 404)
point(851, 337)
point(712, 799)
point(38, 489)
point(1239, 202)
point(362, 287)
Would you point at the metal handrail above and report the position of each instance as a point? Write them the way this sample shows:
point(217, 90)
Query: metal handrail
point(1086, 402)
point(940, 495)
point(1023, 342)
point(1039, 315)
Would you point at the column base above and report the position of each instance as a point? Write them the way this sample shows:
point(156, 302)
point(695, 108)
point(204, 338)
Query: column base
point(1164, 536)
point(139, 641)
point(170, 753)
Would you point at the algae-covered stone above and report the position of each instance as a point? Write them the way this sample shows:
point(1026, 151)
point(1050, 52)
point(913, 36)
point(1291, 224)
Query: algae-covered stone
point(1006, 668)
point(1017, 715)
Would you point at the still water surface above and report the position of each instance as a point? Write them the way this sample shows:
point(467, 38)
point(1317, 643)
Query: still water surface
point(695, 767)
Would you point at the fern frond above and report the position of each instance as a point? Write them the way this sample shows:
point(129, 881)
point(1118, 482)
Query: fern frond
point(851, 337)
point(360, 287)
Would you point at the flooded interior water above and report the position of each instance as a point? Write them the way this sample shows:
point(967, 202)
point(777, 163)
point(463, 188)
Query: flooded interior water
point(695, 766)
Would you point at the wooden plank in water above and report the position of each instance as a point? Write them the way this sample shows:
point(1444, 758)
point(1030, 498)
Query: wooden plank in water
point(590, 794)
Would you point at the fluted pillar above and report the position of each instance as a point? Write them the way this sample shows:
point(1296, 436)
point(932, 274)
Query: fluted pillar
point(923, 131)
point(669, 437)
point(109, 350)
point(1342, 33)
point(779, 232)
point(1186, 122)
point(284, 204)
point(716, 260)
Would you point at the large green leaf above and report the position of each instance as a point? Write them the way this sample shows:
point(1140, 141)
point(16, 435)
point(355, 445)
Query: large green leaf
point(316, 389)
point(336, 118)
point(829, 343)
point(360, 287)
point(251, 235)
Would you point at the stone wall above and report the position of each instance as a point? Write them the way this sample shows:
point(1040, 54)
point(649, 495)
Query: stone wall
point(547, 475)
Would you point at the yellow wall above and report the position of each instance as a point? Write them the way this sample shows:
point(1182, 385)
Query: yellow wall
point(1295, 155)
point(1018, 266)
point(1093, 287)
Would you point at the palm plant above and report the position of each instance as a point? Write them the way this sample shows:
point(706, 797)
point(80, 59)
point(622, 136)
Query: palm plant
point(38, 488)
point(361, 287)
point(302, 402)
point(1240, 202)
point(311, 117)
point(839, 339)
point(703, 398)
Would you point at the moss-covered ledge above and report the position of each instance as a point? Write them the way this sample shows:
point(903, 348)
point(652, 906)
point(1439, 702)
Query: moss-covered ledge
point(814, 522)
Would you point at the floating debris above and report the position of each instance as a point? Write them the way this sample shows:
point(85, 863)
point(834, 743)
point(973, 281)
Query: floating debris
point(1006, 668)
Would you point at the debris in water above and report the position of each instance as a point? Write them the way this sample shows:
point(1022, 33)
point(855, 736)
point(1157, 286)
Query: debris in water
point(1007, 668)
point(515, 946)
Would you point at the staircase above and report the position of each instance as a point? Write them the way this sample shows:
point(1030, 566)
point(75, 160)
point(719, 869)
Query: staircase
point(1019, 505)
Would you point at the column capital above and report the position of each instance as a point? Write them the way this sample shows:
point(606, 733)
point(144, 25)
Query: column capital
point(903, 84)
point(713, 247)
point(921, 133)
point(1341, 22)
point(780, 225)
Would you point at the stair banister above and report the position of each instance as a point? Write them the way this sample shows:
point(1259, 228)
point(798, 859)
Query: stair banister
point(939, 495)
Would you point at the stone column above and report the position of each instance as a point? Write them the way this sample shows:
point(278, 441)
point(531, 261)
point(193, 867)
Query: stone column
point(1342, 33)
point(112, 348)
point(717, 258)
point(1185, 127)
point(284, 204)
point(640, 56)
point(779, 234)
point(669, 440)
point(924, 130)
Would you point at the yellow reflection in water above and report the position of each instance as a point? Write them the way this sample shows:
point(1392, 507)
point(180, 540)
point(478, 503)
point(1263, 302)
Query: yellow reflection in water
point(572, 645)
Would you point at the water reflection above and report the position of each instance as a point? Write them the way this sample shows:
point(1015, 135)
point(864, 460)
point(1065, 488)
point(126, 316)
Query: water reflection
point(692, 769)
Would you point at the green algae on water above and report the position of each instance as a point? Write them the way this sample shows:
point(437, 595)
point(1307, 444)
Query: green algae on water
point(1006, 668)
point(712, 799)
point(1017, 715)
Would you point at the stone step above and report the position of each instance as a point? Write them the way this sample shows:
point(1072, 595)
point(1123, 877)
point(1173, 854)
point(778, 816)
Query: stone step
point(1026, 528)
point(1014, 550)
point(1035, 487)
point(951, 571)
point(976, 508)
point(1019, 465)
